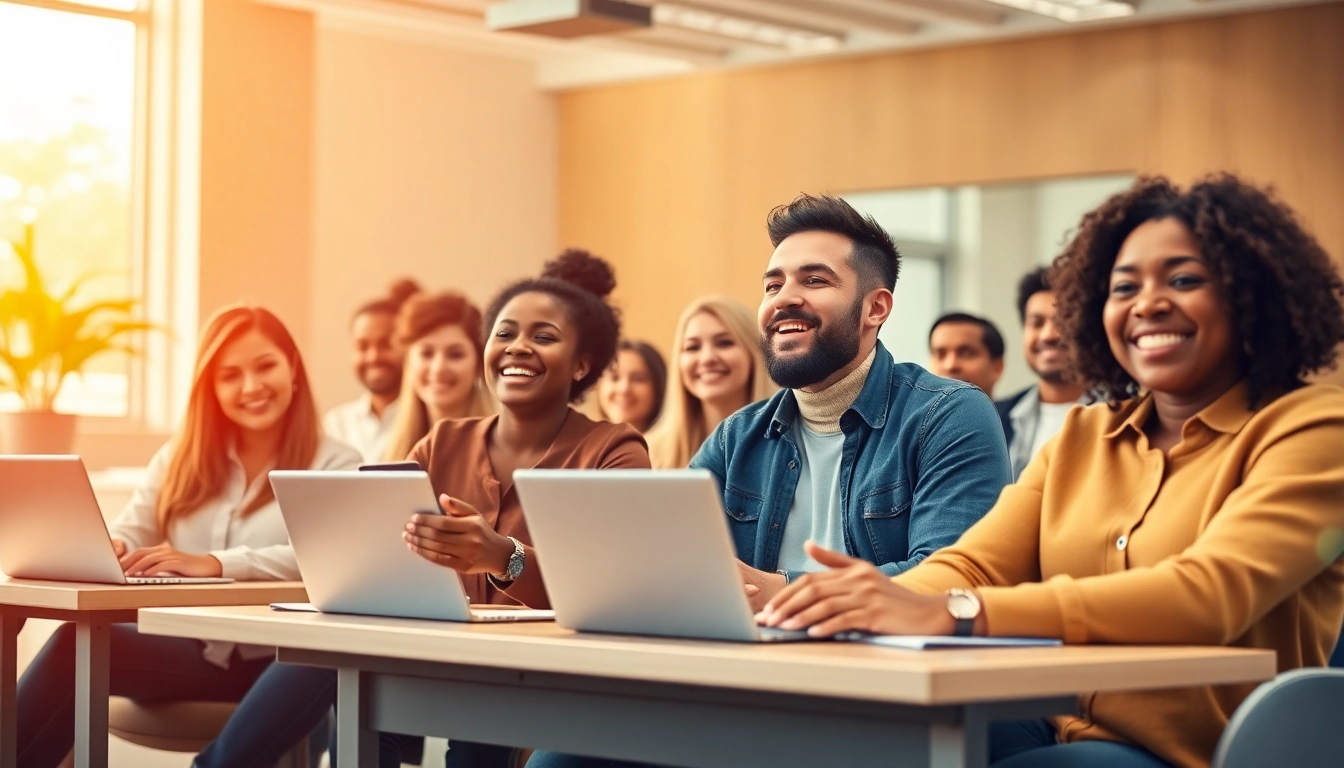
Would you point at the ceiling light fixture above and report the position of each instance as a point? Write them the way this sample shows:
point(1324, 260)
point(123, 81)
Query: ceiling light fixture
point(1073, 10)
point(746, 29)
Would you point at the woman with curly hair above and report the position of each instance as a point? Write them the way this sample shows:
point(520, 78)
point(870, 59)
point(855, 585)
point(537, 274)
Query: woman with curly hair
point(1203, 504)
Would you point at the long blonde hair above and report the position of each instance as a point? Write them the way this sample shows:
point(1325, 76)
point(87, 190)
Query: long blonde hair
point(420, 316)
point(681, 430)
point(199, 469)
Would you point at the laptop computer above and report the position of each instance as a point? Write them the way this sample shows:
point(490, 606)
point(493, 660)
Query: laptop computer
point(639, 552)
point(52, 528)
point(346, 527)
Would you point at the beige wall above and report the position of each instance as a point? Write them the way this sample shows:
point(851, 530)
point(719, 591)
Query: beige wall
point(673, 179)
point(428, 162)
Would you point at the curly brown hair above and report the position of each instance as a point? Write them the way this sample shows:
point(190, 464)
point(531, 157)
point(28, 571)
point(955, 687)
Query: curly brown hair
point(1283, 289)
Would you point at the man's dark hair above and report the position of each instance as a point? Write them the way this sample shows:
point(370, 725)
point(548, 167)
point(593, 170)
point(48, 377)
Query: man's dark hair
point(874, 256)
point(581, 282)
point(1032, 283)
point(993, 340)
point(1283, 289)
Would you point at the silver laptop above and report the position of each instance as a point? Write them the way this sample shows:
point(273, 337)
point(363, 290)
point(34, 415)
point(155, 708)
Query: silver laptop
point(51, 526)
point(346, 531)
point(639, 552)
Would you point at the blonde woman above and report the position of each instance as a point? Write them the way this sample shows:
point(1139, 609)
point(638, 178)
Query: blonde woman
point(441, 376)
point(718, 368)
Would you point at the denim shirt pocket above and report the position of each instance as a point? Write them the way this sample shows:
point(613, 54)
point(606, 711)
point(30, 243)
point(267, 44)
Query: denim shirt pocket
point(742, 506)
point(886, 519)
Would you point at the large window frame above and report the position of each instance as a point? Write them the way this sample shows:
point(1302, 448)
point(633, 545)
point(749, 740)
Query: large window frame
point(164, 199)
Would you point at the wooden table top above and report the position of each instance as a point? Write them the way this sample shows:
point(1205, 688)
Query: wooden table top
point(848, 670)
point(84, 596)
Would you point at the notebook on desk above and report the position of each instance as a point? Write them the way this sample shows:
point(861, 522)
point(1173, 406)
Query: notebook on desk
point(944, 642)
point(52, 528)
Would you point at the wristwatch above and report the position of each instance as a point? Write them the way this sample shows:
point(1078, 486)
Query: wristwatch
point(516, 562)
point(964, 607)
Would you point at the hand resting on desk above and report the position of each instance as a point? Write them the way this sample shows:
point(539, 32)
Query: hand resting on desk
point(163, 560)
point(854, 595)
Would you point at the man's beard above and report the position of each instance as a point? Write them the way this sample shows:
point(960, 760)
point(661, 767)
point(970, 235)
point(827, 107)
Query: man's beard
point(391, 389)
point(832, 349)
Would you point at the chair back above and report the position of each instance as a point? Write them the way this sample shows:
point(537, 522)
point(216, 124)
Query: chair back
point(1292, 720)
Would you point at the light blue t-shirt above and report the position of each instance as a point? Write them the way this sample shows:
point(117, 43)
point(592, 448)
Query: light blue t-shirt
point(815, 513)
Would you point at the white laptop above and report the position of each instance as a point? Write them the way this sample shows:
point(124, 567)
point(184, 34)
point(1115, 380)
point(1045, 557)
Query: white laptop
point(639, 552)
point(51, 526)
point(346, 529)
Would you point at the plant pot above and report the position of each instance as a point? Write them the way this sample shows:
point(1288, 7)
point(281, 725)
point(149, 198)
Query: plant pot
point(37, 432)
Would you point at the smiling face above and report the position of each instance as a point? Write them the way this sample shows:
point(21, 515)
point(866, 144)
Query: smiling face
point(812, 309)
point(1041, 341)
point(531, 356)
point(625, 391)
point(254, 382)
point(376, 361)
point(958, 351)
point(1168, 323)
point(443, 366)
point(713, 364)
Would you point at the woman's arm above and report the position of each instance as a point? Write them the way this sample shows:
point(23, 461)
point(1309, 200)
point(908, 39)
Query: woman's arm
point(137, 525)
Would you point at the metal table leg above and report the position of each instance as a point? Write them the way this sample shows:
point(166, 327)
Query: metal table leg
point(92, 654)
point(10, 624)
point(357, 745)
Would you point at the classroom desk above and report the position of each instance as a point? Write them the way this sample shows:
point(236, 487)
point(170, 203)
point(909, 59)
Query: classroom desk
point(93, 608)
point(690, 703)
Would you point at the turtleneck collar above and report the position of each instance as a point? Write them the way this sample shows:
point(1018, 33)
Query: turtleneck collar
point(821, 410)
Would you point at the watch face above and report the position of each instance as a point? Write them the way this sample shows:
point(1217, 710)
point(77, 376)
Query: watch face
point(963, 605)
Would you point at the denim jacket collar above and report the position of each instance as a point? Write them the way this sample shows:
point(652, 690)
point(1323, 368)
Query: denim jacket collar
point(872, 404)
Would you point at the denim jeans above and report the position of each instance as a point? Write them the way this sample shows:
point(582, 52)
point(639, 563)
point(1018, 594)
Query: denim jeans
point(287, 703)
point(144, 668)
point(1017, 744)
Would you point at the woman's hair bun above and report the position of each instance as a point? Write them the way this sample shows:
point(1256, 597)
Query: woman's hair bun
point(581, 268)
point(403, 289)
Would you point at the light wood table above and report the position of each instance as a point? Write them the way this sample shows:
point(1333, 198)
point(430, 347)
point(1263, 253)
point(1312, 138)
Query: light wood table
point(690, 703)
point(94, 608)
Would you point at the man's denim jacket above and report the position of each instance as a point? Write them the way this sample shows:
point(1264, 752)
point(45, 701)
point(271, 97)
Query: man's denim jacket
point(924, 458)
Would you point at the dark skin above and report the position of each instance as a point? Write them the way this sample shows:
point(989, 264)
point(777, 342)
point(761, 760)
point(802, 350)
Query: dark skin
point(1170, 327)
point(531, 359)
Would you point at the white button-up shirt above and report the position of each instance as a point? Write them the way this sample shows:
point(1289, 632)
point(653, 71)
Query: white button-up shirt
point(355, 423)
point(252, 547)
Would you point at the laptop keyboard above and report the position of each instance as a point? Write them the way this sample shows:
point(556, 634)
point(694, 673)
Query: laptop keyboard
point(176, 580)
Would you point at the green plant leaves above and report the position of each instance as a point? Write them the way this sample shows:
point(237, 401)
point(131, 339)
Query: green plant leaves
point(44, 338)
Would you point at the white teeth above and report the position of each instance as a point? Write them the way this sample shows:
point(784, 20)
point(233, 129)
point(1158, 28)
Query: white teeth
point(790, 327)
point(1159, 340)
point(516, 371)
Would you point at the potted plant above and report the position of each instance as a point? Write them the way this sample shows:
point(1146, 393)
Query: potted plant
point(45, 337)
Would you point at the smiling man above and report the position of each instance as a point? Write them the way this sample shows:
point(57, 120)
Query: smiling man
point(1034, 415)
point(879, 459)
point(365, 423)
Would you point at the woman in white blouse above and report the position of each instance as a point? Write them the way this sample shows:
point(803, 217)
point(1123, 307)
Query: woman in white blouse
point(206, 509)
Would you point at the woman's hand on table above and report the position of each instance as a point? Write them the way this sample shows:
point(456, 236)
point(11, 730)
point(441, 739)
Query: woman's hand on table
point(854, 595)
point(163, 559)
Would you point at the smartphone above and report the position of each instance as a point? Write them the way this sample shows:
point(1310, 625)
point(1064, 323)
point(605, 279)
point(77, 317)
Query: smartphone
point(391, 466)
point(402, 466)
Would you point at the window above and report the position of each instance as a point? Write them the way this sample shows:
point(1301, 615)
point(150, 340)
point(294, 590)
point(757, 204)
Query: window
point(69, 169)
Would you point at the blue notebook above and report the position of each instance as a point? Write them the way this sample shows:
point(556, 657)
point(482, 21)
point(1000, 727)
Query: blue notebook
point(940, 642)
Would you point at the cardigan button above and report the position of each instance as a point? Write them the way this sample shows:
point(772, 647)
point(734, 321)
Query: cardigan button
point(793, 465)
point(1121, 543)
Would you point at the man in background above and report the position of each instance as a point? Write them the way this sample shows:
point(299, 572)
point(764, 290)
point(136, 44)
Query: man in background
point(966, 348)
point(365, 422)
point(1034, 415)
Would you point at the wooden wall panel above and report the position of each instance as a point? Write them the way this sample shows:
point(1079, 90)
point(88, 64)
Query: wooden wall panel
point(672, 179)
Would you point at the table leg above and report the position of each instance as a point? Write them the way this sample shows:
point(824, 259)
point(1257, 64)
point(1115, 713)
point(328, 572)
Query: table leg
point(92, 654)
point(356, 743)
point(10, 624)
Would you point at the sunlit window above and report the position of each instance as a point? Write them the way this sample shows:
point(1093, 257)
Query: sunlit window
point(67, 170)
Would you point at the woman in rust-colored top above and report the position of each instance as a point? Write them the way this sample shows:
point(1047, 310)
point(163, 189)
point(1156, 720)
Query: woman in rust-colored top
point(1204, 506)
point(547, 341)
